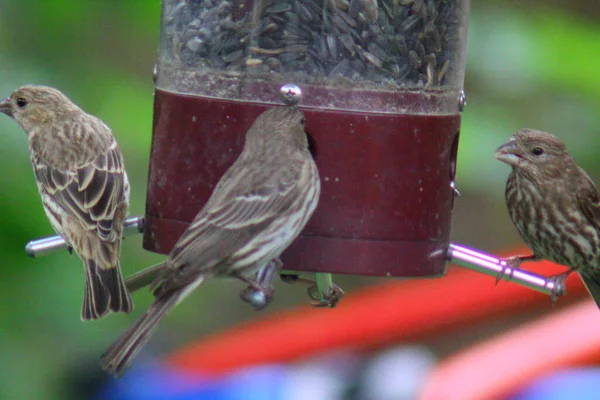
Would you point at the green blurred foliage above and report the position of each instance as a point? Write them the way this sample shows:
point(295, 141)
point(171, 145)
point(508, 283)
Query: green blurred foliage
point(101, 54)
point(533, 65)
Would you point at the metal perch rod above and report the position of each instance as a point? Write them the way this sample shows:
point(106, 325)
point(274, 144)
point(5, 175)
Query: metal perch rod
point(45, 246)
point(490, 265)
point(457, 254)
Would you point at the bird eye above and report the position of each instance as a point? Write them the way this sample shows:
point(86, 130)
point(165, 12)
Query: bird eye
point(537, 151)
point(302, 121)
point(21, 102)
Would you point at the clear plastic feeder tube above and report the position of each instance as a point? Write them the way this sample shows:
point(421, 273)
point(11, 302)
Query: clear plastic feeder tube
point(346, 54)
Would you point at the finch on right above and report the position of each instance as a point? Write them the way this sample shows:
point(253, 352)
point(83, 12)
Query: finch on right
point(554, 205)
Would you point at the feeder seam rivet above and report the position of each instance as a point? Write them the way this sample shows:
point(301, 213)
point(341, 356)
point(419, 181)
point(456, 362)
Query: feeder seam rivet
point(462, 100)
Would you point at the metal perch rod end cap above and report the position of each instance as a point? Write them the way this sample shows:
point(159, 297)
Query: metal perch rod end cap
point(490, 265)
point(29, 250)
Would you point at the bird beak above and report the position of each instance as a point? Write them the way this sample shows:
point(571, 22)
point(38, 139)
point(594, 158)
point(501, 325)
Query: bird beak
point(509, 153)
point(6, 107)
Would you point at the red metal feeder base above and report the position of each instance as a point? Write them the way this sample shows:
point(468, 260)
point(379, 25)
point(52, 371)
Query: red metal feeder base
point(386, 200)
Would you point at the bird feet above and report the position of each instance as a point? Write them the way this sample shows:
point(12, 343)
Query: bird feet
point(560, 287)
point(329, 299)
point(513, 263)
point(258, 296)
point(508, 268)
point(259, 292)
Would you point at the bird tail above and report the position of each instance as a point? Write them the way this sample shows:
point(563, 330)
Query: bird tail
point(120, 354)
point(591, 280)
point(145, 277)
point(105, 291)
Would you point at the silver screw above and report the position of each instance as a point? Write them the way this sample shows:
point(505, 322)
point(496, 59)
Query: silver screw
point(290, 94)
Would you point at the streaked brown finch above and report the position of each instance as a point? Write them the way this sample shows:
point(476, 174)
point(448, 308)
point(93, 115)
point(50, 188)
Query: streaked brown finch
point(260, 205)
point(81, 178)
point(554, 206)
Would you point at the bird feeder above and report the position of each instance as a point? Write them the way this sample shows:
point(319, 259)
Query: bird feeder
point(381, 84)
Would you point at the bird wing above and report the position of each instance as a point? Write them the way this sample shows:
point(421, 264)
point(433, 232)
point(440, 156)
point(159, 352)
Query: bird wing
point(91, 194)
point(588, 199)
point(245, 203)
point(589, 202)
point(591, 280)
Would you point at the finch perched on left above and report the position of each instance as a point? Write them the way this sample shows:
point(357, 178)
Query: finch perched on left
point(81, 178)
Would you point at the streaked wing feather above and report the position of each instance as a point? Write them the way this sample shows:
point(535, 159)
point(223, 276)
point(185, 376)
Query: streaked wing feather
point(91, 194)
point(591, 280)
point(216, 236)
point(588, 199)
point(59, 180)
point(85, 176)
point(248, 209)
point(219, 231)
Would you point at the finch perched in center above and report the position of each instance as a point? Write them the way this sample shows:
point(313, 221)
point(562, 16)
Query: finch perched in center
point(81, 178)
point(257, 209)
point(554, 206)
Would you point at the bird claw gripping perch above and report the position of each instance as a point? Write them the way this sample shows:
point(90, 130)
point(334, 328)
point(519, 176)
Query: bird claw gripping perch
point(511, 264)
point(559, 289)
point(503, 270)
point(259, 297)
point(259, 292)
point(323, 291)
point(327, 293)
point(44, 246)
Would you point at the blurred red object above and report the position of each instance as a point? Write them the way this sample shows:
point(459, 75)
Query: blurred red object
point(372, 317)
point(499, 366)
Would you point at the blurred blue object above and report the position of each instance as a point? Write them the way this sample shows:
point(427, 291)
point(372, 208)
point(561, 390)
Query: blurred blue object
point(397, 373)
point(161, 383)
point(580, 384)
point(394, 374)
